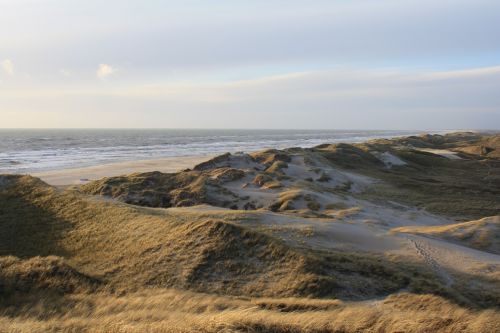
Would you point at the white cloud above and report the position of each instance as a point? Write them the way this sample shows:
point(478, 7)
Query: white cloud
point(105, 70)
point(8, 66)
point(463, 74)
point(65, 72)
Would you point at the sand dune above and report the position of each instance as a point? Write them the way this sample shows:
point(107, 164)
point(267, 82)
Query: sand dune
point(350, 238)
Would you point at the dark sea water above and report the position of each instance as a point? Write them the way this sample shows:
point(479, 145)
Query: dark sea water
point(25, 151)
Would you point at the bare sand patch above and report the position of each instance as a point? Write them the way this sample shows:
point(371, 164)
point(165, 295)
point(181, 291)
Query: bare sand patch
point(452, 155)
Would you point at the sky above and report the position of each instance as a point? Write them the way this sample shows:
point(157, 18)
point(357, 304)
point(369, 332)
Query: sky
point(312, 64)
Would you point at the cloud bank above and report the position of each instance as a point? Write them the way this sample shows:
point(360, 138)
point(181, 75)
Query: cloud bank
point(263, 63)
point(341, 98)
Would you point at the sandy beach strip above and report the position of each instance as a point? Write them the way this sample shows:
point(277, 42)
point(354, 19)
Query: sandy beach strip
point(75, 176)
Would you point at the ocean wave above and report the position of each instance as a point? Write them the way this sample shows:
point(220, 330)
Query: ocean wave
point(32, 151)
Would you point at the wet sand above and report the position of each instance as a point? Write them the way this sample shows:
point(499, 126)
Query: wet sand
point(82, 175)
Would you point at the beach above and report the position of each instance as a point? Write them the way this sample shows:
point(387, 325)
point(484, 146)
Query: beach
point(41, 151)
point(75, 176)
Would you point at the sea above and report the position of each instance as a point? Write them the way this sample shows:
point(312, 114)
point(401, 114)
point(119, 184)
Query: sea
point(36, 150)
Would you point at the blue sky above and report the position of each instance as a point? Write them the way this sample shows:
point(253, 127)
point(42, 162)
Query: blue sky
point(384, 64)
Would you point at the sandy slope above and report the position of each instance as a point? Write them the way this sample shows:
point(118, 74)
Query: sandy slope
point(355, 234)
point(482, 234)
point(447, 257)
point(317, 198)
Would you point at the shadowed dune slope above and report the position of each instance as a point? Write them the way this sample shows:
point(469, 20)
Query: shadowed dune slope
point(127, 247)
point(42, 274)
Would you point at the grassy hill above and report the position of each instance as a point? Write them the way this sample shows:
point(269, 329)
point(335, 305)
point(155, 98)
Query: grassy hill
point(129, 247)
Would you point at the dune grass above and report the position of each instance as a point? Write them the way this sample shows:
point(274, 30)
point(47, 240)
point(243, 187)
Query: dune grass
point(128, 248)
point(181, 311)
point(72, 262)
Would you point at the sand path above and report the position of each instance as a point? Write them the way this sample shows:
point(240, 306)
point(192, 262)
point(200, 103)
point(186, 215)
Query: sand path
point(445, 257)
point(427, 253)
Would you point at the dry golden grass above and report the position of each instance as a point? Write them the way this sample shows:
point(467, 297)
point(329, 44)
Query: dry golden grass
point(49, 274)
point(344, 213)
point(176, 311)
point(129, 248)
point(132, 247)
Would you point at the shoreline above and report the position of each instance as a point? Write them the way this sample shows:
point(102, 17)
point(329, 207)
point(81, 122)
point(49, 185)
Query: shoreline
point(42, 153)
point(80, 175)
point(76, 176)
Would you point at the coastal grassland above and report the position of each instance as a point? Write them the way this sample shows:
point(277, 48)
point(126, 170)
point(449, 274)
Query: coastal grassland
point(181, 311)
point(101, 258)
point(130, 247)
point(123, 248)
point(464, 188)
point(127, 248)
